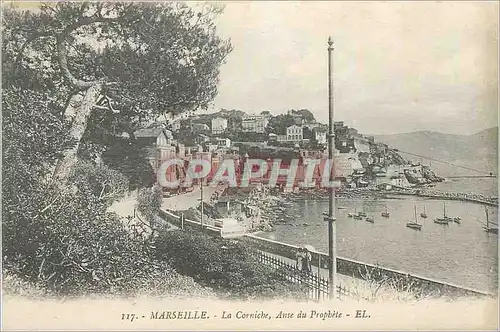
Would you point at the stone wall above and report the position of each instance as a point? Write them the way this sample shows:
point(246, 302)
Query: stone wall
point(345, 266)
point(189, 224)
point(359, 270)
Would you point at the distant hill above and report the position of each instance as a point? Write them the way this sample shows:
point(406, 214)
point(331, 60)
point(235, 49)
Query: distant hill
point(478, 151)
point(224, 114)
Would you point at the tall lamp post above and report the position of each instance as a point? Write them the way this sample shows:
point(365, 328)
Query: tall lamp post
point(332, 250)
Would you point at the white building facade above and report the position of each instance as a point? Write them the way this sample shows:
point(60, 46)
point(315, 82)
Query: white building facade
point(223, 142)
point(255, 123)
point(219, 125)
point(294, 133)
point(320, 135)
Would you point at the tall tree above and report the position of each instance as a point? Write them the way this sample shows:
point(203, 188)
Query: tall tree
point(278, 124)
point(133, 60)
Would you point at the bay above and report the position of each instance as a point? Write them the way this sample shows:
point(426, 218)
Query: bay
point(463, 254)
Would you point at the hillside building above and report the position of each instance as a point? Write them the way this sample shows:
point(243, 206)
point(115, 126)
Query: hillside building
point(219, 125)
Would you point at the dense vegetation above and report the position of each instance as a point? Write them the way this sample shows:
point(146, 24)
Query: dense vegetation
point(66, 104)
point(226, 266)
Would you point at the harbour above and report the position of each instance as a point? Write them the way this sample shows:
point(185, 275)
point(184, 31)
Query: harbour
point(463, 254)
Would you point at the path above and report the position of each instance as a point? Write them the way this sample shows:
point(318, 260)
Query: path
point(188, 200)
point(359, 288)
point(125, 207)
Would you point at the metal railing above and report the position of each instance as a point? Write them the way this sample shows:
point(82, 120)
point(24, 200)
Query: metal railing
point(317, 286)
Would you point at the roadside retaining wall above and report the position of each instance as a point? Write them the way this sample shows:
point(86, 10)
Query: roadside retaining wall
point(345, 266)
point(176, 220)
point(360, 270)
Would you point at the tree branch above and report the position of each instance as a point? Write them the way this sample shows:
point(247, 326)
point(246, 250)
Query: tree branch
point(62, 50)
point(30, 39)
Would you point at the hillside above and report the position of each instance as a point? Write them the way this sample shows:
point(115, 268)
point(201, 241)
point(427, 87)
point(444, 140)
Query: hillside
point(478, 151)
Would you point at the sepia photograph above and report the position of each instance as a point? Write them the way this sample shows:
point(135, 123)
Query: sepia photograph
point(249, 165)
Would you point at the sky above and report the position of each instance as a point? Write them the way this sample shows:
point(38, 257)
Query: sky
point(398, 66)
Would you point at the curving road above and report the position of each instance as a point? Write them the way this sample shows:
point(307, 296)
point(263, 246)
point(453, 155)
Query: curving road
point(188, 200)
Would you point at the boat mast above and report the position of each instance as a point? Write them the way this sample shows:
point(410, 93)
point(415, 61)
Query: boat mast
point(444, 209)
point(487, 219)
point(415, 208)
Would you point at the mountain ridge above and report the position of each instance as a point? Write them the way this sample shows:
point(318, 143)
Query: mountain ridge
point(435, 132)
point(477, 151)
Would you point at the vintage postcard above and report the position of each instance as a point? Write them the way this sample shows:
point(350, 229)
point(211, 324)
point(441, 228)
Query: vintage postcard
point(259, 165)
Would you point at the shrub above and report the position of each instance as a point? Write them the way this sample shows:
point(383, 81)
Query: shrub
point(225, 265)
point(149, 203)
point(63, 242)
point(104, 183)
point(13, 285)
point(134, 165)
point(75, 248)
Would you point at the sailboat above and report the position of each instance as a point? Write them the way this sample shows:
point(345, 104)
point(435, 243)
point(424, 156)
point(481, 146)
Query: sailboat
point(423, 214)
point(370, 219)
point(445, 219)
point(385, 214)
point(362, 214)
point(350, 214)
point(487, 228)
point(414, 224)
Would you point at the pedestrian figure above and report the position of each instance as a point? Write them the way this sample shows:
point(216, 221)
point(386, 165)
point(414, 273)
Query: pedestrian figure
point(300, 259)
point(307, 261)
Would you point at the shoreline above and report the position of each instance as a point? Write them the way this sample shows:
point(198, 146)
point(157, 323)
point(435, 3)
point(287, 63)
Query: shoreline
point(383, 194)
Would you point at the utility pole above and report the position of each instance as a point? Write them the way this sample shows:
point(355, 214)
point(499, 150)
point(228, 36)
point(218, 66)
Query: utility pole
point(332, 250)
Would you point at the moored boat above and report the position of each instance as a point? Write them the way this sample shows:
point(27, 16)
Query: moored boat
point(370, 219)
point(385, 214)
point(487, 227)
point(414, 224)
point(423, 214)
point(445, 220)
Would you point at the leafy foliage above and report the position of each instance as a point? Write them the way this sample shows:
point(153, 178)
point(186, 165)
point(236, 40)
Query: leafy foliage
point(305, 114)
point(278, 124)
point(148, 59)
point(224, 265)
point(161, 57)
point(131, 61)
point(129, 158)
point(148, 204)
point(106, 184)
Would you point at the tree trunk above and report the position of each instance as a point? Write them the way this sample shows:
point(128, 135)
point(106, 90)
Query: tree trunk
point(77, 112)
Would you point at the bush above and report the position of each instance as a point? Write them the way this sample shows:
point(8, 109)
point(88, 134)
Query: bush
point(13, 285)
point(134, 165)
point(224, 265)
point(149, 203)
point(75, 248)
point(104, 183)
point(63, 242)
